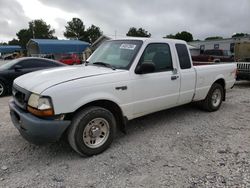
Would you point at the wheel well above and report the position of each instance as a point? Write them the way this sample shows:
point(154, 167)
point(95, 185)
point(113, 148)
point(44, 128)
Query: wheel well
point(1, 80)
point(109, 105)
point(221, 81)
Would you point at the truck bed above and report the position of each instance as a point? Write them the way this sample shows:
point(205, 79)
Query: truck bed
point(207, 73)
point(198, 63)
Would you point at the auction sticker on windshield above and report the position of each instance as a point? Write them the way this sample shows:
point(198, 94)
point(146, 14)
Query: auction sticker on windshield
point(128, 46)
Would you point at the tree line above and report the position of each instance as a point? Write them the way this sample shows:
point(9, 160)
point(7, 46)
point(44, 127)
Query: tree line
point(75, 29)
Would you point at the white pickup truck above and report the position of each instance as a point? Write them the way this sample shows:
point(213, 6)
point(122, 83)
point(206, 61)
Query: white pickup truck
point(122, 80)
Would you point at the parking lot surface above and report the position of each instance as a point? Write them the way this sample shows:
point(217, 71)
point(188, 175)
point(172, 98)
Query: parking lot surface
point(180, 147)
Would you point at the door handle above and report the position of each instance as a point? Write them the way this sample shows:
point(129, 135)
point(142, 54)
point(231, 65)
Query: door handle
point(121, 88)
point(174, 77)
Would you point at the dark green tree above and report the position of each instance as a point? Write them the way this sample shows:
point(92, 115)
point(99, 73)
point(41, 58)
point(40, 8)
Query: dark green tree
point(133, 32)
point(24, 35)
point(240, 35)
point(13, 42)
point(93, 33)
point(184, 35)
point(41, 30)
point(75, 29)
point(171, 36)
point(214, 38)
point(37, 29)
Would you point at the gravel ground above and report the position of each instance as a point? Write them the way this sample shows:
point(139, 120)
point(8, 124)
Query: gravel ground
point(181, 147)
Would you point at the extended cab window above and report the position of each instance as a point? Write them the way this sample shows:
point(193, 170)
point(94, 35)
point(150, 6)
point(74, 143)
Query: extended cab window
point(183, 56)
point(160, 55)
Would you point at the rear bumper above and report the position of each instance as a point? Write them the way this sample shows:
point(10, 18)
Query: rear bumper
point(243, 75)
point(34, 129)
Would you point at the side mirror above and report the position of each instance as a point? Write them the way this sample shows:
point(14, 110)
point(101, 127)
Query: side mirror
point(145, 67)
point(17, 67)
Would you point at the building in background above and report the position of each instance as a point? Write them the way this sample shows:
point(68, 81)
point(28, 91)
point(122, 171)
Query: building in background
point(194, 51)
point(55, 49)
point(9, 51)
point(224, 44)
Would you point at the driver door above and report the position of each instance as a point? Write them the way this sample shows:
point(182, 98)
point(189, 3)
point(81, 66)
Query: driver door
point(157, 90)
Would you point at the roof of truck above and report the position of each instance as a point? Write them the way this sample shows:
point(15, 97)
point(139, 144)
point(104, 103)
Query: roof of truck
point(152, 39)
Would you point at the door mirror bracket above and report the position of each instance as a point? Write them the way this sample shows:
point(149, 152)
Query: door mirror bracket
point(175, 71)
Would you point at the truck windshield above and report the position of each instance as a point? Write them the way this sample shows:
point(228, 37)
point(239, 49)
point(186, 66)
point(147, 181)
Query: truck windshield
point(117, 53)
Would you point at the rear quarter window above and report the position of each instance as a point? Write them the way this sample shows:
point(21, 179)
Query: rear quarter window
point(183, 56)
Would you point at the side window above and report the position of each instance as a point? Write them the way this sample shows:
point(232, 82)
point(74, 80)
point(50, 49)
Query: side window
point(202, 49)
point(232, 45)
point(44, 63)
point(183, 56)
point(216, 46)
point(160, 55)
point(225, 53)
point(35, 63)
point(26, 64)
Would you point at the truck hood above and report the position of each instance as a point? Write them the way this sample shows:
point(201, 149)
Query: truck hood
point(39, 81)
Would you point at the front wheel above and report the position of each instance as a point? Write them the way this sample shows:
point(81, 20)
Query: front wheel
point(92, 131)
point(214, 98)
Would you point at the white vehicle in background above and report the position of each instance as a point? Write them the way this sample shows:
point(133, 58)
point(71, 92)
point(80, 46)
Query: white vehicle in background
point(122, 80)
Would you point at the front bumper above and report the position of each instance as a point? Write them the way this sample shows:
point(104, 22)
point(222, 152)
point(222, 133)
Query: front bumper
point(34, 129)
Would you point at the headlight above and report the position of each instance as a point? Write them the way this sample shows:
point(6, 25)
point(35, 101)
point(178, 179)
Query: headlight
point(40, 105)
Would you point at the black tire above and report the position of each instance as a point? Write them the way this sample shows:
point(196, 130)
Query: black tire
point(3, 89)
point(82, 121)
point(209, 103)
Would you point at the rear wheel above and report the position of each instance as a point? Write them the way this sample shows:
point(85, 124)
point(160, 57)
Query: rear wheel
point(3, 89)
point(214, 98)
point(92, 131)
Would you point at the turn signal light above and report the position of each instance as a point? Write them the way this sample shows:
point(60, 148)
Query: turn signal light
point(41, 113)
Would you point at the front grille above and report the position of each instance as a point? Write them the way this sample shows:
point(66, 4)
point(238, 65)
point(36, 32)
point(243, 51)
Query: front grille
point(20, 96)
point(244, 67)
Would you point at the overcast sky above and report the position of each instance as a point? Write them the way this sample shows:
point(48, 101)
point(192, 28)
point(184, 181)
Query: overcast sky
point(202, 18)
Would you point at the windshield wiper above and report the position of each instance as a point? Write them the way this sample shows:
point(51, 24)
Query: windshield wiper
point(104, 64)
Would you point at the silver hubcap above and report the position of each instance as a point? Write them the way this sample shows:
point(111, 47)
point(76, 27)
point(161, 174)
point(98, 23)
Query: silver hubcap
point(216, 98)
point(96, 133)
point(1, 89)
